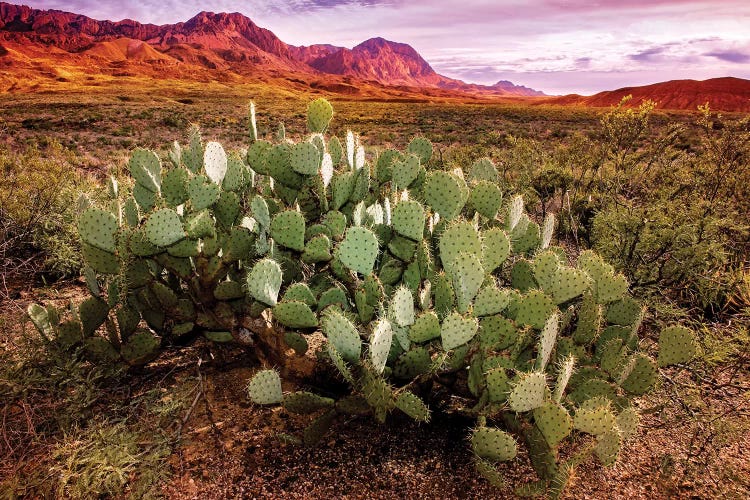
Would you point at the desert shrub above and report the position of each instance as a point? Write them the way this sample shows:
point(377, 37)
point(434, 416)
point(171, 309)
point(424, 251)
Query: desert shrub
point(38, 192)
point(415, 279)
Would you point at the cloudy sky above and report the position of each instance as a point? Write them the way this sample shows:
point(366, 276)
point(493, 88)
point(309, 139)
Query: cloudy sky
point(558, 46)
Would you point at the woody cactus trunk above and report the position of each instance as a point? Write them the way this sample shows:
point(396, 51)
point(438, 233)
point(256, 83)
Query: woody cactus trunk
point(416, 277)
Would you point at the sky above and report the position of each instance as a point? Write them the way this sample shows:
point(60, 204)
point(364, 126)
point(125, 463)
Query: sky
point(557, 46)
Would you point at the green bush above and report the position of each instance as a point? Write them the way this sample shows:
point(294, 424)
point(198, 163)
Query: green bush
point(38, 192)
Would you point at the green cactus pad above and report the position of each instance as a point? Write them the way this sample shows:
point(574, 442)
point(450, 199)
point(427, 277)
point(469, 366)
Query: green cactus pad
point(100, 351)
point(319, 114)
point(227, 208)
point(238, 176)
point(595, 421)
point(412, 363)
point(97, 228)
point(228, 290)
point(294, 314)
point(413, 406)
point(305, 158)
point(192, 156)
point(100, 260)
point(288, 229)
point(534, 309)
point(547, 341)
point(335, 221)
point(497, 333)
point(405, 171)
point(174, 187)
point(498, 385)
point(608, 287)
point(554, 422)
point(342, 334)
point(202, 192)
point(296, 342)
point(592, 388)
point(467, 276)
point(457, 330)
point(627, 422)
point(425, 328)
point(338, 361)
point(303, 403)
point(300, 292)
point(607, 447)
point(486, 198)
point(529, 392)
point(408, 219)
point(560, 282)
point(384, 165)
point(93, 312)
point(358, 250)
point(402, 248)
point(140, 348)
point(490, 300)
point(527, 241)
point(164, 228)
point(483, 170)
point(184, 248)
point(589, 320)
point(265, 388)
point(613, 357)
point(380, 344)
point(495, 249)
point(378, 394)
point(264, 281)
point(200, 225)
point(143, 197)
point(280, 166)
point(145, 168)
point(402, 306)
point(564, 372)
point(522, 276)
point(342, 187)
point(676, 345)
point(444, 295)
point(314, 432)
point(459, 237)
point(640, 375)
point(443, 193)
point(626, 311)
point(259, 209)
point(493, 444)
point(421, 147)
point(335, 149)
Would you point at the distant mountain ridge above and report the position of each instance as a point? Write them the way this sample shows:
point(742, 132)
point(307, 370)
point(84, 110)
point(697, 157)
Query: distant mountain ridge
point(231, 44)
point(723, 94)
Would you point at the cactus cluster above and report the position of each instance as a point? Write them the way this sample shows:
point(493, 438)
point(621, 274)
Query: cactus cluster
point(414, 276)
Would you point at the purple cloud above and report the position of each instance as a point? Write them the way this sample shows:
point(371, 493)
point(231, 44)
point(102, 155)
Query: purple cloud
point(730, 56)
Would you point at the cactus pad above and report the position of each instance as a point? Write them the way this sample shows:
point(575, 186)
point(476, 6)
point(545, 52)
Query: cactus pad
point(303, 402)
point(529, 392)
point(457, 330)
point(413, 406)
point(534, 309)
point(140, 348)
point(596, 421)
point(319, 114)
point(640, 375)
point(467, 276)
point(554, 422)
point(408, 219)
point(486, 198)
point(265, 388)
point(443, 192)
point(607, 447)
point(97, 228)
point(493, 444)
point(483, 170)
point(498, 384)
point(425, 328)
point(412, 363)
point(288, 229)
point(405, 171)
point(547, 341)
point(202, 193)
point(342, 334)
point(457, 238)
point(490, 300)
point(358, 250)
point(164, 228)
point(402, 306)
point(380, 344)
point(145, 168)
point(497, 333)
point(294, 314)
point(422, 147)
point(305, 158)
point(215, 162)
point(495, 249)
point(676, 345)
point(264, 281)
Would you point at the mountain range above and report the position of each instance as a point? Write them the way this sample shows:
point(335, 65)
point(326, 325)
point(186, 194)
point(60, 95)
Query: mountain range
point(43, 47)
point(225, 47)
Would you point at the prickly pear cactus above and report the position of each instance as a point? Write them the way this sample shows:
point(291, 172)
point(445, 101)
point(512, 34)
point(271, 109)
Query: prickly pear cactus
point(413, 276)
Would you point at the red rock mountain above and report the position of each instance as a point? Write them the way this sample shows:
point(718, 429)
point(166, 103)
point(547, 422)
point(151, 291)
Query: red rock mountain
point(724, 94)
point(209, 46)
